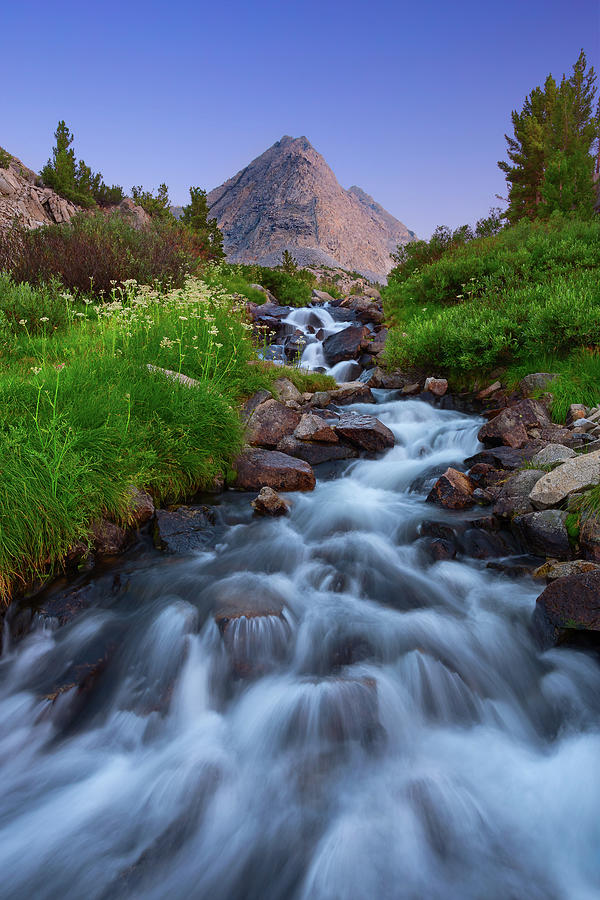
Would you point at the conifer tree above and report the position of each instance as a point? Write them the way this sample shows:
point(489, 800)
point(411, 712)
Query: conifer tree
point(205, 230)
point(72, 179)
point(551, 161)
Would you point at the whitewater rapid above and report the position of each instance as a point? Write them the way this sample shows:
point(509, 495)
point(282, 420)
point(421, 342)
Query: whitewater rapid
point(391, 732)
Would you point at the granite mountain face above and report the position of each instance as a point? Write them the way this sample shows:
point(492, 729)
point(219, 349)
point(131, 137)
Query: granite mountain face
point(289, 199)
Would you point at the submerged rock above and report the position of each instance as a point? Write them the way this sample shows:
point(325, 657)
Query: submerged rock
point(186, 529)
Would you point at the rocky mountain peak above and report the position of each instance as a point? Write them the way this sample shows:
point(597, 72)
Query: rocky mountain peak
point(288, 198)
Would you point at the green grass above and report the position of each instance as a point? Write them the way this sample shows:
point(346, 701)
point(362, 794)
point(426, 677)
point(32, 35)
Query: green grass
point(82, 419)
point(525, 300)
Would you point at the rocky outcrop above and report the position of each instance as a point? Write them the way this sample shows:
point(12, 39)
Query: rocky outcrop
point(25, 201)
point(289, 199)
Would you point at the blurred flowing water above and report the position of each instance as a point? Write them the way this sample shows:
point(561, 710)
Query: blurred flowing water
point(311, 710)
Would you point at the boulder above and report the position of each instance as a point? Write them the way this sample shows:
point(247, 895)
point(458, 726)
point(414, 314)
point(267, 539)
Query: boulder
point(411, 389)
point(365, 432)
point(544, 533)
point(375, 345)
point(568, 605)
point(270, 503)
point(379, 378)
point(366, 309)
point(343, 345)
point(314, 428)
point(270, 422)
point(513, 499)
point(135, 215)
point(351, 392)
point(573, 475)
point(537, 381)
point(316, 452)
point(436, 386)
point(498, 457)
point(453, 490)
point(553, 569)
point(271, 468)
point(186, 529)
point(285, 390)
point(511, 424)
point(552, 453)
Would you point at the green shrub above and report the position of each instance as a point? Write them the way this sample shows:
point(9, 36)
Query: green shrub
point(96, 250)
point(5, 159)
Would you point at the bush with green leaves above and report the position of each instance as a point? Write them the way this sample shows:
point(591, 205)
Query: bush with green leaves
point(95, 250)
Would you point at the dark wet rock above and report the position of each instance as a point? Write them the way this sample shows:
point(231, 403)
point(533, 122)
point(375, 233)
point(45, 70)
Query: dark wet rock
point(512, 425)
point(109, 539)
point(186, 529)
point(478, 543)
point(376, 344)
point(483, 497)
point(314, 428)
point(500, 457)
point(453, 490)
point(252, 403)
point(553, 569)
point(316, 452)
point(544, 533)
point(439, 549)
point(556, 434)
point(482, 473)
point(436, 386)
point(516, 567)
point(379, 378)
point(293, 345)
point(513, 499)
point(271, 468)
point(365, 432)
point(570, 604)
point(339, 314)
point(270, 503)
point(366, 309)
point(439, 530)
point(343, 345)
point(270, 422)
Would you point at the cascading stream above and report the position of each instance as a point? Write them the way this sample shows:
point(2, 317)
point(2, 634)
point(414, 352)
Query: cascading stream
point(312, 710)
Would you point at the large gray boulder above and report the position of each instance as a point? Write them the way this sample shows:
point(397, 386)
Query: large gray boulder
point(573, 475)
point(552, 453)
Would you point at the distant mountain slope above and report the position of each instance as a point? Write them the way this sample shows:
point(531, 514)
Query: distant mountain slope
point(289, 199)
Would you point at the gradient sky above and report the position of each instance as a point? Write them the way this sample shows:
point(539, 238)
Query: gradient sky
point(410, 101)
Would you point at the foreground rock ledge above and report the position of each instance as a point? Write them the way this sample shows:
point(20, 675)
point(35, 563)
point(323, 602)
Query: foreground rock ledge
point(271, 468)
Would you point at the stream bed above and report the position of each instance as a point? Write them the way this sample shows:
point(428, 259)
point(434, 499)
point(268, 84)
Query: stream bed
point(311, 709)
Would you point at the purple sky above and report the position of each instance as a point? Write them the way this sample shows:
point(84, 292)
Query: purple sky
point(408, 101)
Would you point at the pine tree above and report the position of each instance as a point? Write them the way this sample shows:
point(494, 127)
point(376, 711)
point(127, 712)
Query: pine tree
point(205, 230)
point(73, 179)
point(551, 162)
point(288, 263)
